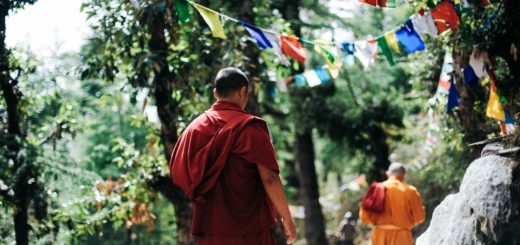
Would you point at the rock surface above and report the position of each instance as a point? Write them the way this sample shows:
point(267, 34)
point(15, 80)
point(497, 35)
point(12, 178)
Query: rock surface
point(479, 213)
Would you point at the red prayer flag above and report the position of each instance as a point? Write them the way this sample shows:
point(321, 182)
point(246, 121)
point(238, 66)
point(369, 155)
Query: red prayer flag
point(293, 48)
point(445, 17)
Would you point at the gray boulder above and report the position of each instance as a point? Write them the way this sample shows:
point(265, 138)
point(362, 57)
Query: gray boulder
point(481, 211)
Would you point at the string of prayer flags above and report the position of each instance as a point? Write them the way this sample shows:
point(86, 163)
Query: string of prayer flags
point(385, 49)
point(380, 3)
point(212, 20)
point(453, 97)
point(424, 24)
point(258, 35)
point(494, 108)
point(477, 63)
point(183, 10)
point(445, 78)
point(409, 38)
point(274, 39)
point(312, 78)
point(349, 48)
point(445, 17)
point(292, 47)
point(366, 52)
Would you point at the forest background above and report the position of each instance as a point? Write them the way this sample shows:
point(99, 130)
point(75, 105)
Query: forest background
point(86, 133)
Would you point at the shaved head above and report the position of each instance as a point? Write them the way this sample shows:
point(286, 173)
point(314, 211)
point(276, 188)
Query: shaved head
point(396, 169)
point(230, 79)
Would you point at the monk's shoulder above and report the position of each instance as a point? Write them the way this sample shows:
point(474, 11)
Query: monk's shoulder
point(411, 188)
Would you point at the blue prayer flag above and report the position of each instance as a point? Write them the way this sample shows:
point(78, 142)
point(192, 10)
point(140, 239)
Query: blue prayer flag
point(257, 34)
point(323, 75)
point(348, 47)
point(470, 78)
point(409, 39)
point(300, 81)
point(453, 97)
point(508, 120)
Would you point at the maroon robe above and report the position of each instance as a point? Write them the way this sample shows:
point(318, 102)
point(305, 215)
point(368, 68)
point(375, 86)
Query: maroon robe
point(214, 163)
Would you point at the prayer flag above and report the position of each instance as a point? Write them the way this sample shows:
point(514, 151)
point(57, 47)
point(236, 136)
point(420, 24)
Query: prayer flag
point(391, 40)
point(299, 80)
point(292, 47)
point(349, 49)
point(445, 16)
point(477, 62)
point(453, 97)
point(312, 78)
point(365, 52)
point(212, 19)
point(323, 75)
point(258, 35)
point(274, 39)
point(470, 78)
point(281, 85)
point(494, 107)
point(183, 10)
point(326, 51)
point(424, 24)
point(507, 126)
point(385, 49)
point(380, 3)
point(322, 49)
point(409, 39)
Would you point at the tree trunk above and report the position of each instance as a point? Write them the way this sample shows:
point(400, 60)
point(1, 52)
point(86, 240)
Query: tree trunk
point(380, 151)
point(167, 109)
point(12, 98)
point(309, 190)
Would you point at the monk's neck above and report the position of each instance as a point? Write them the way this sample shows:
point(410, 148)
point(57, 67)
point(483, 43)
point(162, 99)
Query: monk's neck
point(400, 179)
point(229, 101)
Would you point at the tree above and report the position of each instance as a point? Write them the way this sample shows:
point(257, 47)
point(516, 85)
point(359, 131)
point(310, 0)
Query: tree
point(14, 136)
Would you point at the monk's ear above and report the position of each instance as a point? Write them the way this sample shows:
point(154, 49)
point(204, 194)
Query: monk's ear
point(244, 91)
point(215, 94)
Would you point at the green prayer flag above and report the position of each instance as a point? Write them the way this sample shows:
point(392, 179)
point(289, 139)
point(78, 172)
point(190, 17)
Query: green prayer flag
point(183, 10)
point(385, 49)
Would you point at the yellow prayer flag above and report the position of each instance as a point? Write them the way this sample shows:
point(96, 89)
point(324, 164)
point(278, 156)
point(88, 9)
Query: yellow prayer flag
point(391, 39)
point(327, 52)
point(212, 19)
point(494, 107)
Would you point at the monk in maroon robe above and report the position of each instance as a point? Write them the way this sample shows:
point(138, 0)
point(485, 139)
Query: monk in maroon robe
point(226, 164)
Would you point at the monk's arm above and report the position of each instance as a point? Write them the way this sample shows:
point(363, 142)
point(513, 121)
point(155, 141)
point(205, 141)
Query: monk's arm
point(418, 210)
point(365, 216)
point(274, 188)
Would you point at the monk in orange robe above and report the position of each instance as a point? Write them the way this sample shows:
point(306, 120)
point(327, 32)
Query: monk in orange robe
point(403, 209)
point(226, 164)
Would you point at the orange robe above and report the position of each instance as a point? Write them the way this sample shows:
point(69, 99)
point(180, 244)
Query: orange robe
point(403, 210)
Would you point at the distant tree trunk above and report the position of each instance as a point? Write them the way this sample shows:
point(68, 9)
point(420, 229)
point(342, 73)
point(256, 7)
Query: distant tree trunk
point(304, 150)
point(167, 109)
point(12, 98)
point(380, 151)
point(309, 190)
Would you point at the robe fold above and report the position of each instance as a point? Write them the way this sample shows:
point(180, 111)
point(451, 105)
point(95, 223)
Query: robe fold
point(215, 163)
point(403, 210)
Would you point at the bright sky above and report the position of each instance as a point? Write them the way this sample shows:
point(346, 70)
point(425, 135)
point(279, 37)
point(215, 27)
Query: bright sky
point(48, 25)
